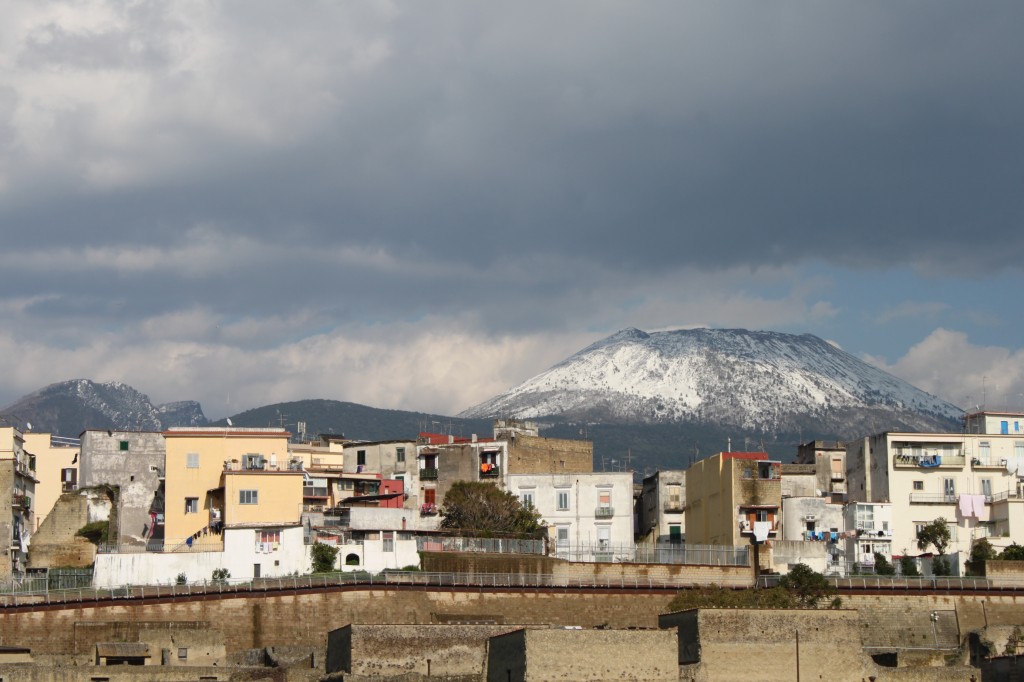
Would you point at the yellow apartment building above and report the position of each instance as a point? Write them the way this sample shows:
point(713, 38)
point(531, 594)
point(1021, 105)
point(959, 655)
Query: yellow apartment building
point(56, 469)
point(733, 497)
point(223, 477)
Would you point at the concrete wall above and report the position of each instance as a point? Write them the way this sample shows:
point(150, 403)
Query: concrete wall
point(597, 655)
point(136, 472)
point(241, 554)
point(1005, 572)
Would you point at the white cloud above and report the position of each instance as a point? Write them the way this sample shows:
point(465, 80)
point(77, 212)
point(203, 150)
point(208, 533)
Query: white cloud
point(948, 365)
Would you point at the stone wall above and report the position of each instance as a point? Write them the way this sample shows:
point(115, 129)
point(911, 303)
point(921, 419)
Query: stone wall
point(387, 651)
point(563, 571)
point(55, 544)
point(1010, 573)
point(538, 455)
point(597, 655)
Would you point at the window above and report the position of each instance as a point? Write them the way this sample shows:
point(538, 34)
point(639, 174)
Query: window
point(563, 500)
point(192, 460)
point(528, 500)
point(918, 485)
point(123, 446)
point(191, 505)
point(563, 536)
point(604, 536)
point(1018, 449)
point(761, 515)
point(361, 458)
point(388, 536)
point(949, 486)
point(182, 652)
point(252, 462)
point(984, 452)
point(675, 496)
point(248, 496)
point(986, 487)
point(399, 454)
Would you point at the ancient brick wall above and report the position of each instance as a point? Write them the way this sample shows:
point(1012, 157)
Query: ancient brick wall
point(538, 455)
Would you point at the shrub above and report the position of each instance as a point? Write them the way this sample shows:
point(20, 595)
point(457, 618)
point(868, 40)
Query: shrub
point(221, 575)
point(95, 532)
point(908, 567)
point(182, 579)
point(323, 557)
point(940, 566)
point(883, 566)
point(807, 586)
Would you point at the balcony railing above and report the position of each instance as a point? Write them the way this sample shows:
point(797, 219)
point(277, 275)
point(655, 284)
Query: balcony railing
point(428, 474)
point(673, 507)
point(928, 461)
point(1007, 495)
point(933, 498)
point(489, 471)
point(604, 512)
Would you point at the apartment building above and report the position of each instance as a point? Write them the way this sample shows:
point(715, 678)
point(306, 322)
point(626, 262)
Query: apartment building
point(17, 493)
point(441, 460)
point(219, 478)
point(661, 505)
point(588, 514)
point(385, 460)
point(829, 460)
point(971, 479)
point(57, 461)
point(733, 498)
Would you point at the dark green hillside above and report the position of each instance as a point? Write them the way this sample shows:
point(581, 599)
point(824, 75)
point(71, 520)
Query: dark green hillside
point(356, 421)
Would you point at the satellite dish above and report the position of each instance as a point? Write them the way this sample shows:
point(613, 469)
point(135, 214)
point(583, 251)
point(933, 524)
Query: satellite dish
point(29, 425)
point(229, 422)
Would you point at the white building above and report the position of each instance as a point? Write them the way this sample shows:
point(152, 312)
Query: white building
point(869, 527)
point(972, 480)
point(588, 514)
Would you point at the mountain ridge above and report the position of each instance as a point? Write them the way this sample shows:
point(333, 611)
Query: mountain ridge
point(753, 380)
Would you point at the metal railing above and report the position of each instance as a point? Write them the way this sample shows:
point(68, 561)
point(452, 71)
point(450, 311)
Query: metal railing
point(476, 581)
point(493, 545)
point(661, 553)
point(604, 512)
point(933, 498)
point(428, 474)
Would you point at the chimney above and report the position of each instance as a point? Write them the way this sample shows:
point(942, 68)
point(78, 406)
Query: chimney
point(473, 438)
point(451, 439)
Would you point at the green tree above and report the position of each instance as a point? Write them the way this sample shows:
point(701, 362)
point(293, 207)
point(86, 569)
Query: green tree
point(481, 508)
point(981, 551)
point(908, 567)
point(807, 586)
point(1014, 552)
point(883, 566)
point(935, 533)
point(323, 557)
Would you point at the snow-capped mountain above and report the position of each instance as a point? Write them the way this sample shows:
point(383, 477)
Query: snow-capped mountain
point(758, 381)
point(69, 407)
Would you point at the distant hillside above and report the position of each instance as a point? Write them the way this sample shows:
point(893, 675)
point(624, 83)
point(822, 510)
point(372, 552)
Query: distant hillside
point(69, 407)
point(356, 421)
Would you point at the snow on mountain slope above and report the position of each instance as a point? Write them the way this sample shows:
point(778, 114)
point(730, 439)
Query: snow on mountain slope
point(756, 380)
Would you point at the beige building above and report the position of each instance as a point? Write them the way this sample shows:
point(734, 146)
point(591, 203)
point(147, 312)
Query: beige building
point(17, 494)
point(226, 477)
point(733, 498)
point(57, 461)
point(972, 480)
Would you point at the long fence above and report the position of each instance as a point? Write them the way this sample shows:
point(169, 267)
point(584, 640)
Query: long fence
point(695, 555)
point(481, 581)
point(492, 545)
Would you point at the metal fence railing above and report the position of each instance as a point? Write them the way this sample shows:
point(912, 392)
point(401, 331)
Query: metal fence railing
point(660, 553)
point(493, 545)
point(481, 581)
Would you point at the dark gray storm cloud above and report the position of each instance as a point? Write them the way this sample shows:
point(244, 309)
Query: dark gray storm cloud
point(376, 161)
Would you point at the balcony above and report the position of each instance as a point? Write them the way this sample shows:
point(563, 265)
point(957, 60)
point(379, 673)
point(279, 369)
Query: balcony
point(932, 498)
point(489, 471)
point(21, 502)
point(428, 509)
point(943, 461)
point(604, 512)
point(988, 462)
point(428, 474)
point(672, 507)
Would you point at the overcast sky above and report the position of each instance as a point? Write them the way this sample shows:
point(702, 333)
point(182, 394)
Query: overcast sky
point(417, 205)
